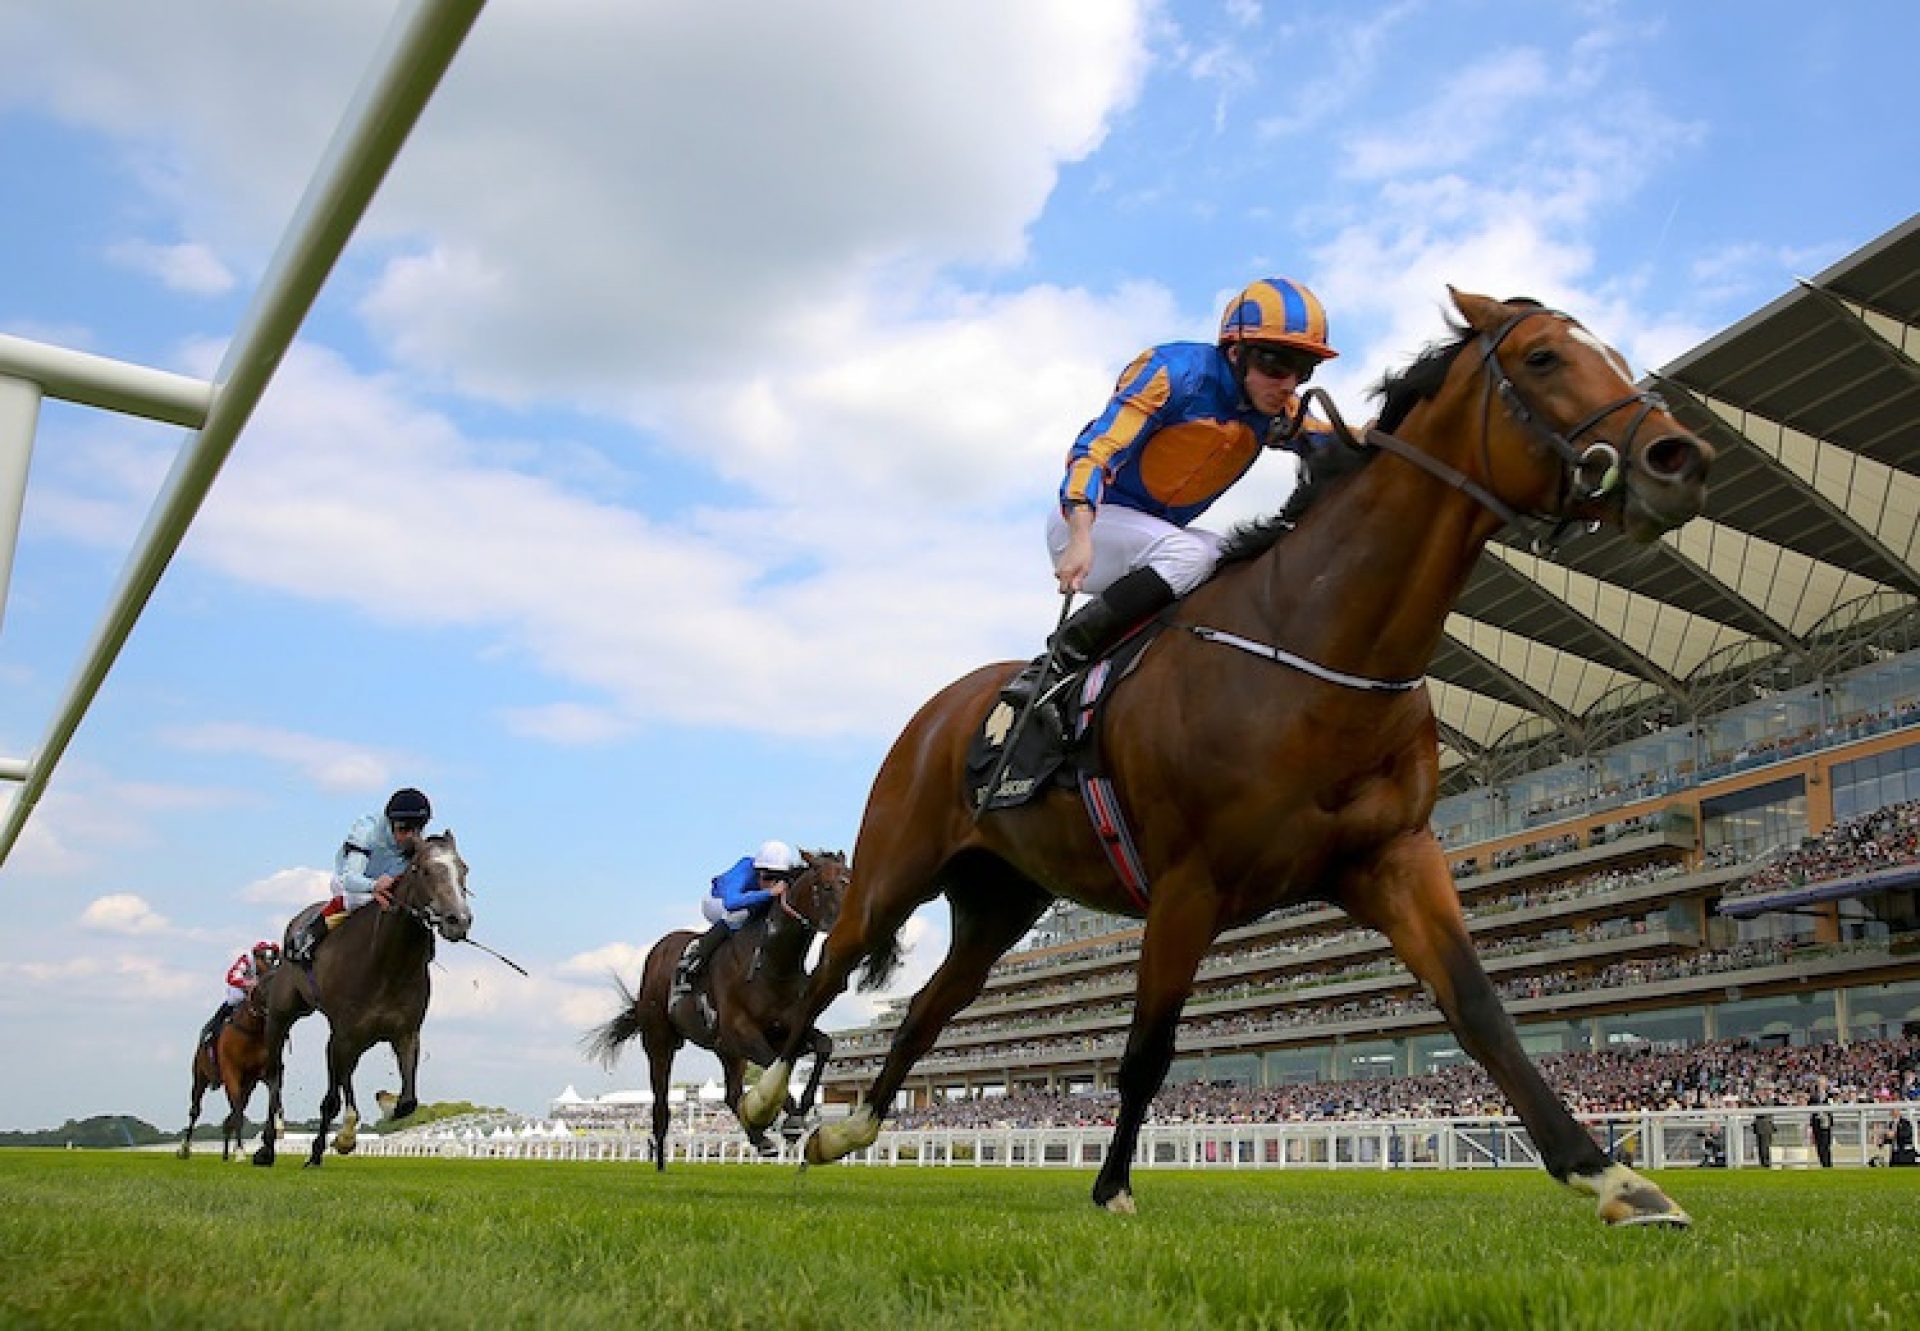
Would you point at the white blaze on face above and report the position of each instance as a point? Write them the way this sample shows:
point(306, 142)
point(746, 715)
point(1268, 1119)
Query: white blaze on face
point(1611, 356)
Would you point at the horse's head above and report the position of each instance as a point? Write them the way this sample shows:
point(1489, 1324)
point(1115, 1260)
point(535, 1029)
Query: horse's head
point(816, 894)
point(1563, 430)
point(434, 887)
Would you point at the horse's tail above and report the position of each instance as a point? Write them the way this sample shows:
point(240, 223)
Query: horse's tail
point(602, 1043)
point(881, 963)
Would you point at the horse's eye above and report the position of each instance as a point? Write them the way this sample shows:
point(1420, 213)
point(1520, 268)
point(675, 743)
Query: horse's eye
point(1542, 358)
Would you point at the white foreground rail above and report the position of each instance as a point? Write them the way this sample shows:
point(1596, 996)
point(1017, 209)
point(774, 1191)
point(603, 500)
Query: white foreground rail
point(417, 51)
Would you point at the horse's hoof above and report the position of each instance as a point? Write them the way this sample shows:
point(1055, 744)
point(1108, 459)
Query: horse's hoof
point(345, 1147)
point(1121, 1203)
point(185, 1152)
point(1626, 1198)
point(311, 1164)
point(263, 1158)
point(815, 1152)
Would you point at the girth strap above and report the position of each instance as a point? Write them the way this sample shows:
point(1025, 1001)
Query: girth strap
point(1280, 656)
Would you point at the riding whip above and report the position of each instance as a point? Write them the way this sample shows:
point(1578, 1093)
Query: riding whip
point(490, 952)
point(1020, 721)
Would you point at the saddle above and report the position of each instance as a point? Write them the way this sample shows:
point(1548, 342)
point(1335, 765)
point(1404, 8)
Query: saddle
point(1045, 753)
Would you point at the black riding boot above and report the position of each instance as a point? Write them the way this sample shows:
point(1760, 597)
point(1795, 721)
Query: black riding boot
point(214, 1023)
point(1090, 631)
point(693, 962)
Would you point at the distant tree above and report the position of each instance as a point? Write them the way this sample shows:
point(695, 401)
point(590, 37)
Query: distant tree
point(433, 1113)
point(102, 1131)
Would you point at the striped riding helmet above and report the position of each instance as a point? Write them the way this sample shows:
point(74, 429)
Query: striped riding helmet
point(1281, 311)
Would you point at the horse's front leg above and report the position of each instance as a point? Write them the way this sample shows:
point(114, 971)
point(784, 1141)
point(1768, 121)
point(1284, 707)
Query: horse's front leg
point(238, 1091)
point(1410, 897)
point(733, 1072)
point(406, 1055)
point(348, 1137)
point(329, 1103)
point(1180, 928)
point(821, 1045)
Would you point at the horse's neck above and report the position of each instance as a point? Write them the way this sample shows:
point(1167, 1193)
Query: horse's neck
point(395, 938)
point(1366, 584)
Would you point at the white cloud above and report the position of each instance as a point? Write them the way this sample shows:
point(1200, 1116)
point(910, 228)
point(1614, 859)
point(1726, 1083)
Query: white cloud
point(122, 913)
point(327, 763)
point(622, 959)
point(289, 888)
point(189, 268)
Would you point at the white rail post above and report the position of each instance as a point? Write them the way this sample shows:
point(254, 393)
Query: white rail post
point(19, 414)
point(418, 49)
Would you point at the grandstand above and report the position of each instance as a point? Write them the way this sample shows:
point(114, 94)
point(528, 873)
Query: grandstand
point(1681, 795)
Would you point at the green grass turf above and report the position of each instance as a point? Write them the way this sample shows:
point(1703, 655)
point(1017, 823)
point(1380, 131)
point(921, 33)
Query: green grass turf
point(141, 1239)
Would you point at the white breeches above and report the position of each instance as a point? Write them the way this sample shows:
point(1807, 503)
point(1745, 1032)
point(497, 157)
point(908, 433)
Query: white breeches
point(711, 908)
point(1125, 539)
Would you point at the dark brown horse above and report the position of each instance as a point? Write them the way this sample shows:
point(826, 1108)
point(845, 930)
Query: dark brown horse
point(1251, 783)
point(370, 977)
point(749, 988)
point(235, 1060)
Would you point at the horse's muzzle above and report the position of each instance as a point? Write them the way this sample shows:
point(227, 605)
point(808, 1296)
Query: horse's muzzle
point(1666, 485)
point(453, 928)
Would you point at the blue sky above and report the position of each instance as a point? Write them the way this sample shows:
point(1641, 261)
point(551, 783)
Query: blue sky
point(686, 409)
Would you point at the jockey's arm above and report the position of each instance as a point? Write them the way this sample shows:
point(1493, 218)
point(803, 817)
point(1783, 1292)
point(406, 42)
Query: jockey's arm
point(350, 880)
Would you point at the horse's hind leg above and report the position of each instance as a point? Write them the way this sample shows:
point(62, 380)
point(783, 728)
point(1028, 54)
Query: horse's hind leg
point(993, 905)
point(661, 1045)
point(1180, 929)
point(1412, 900)
point(275, 1074)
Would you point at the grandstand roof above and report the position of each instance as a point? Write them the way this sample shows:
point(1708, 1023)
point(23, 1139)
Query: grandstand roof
point(1809, 536)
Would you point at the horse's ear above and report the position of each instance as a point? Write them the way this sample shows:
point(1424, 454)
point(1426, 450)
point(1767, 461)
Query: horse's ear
point(1481, 312)
point(448, 834)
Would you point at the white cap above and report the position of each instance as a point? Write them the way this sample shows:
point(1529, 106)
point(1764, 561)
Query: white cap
point(776, 857)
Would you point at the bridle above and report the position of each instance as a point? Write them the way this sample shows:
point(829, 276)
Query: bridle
point(1600, 455)
point(812, 871)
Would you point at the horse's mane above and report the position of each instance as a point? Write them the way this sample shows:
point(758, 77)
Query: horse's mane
point(1398, 393)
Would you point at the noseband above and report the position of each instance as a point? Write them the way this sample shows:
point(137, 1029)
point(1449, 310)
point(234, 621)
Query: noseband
point(1576, 463)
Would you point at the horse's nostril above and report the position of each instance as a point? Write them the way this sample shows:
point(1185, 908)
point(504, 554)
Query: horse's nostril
point(1675, 458)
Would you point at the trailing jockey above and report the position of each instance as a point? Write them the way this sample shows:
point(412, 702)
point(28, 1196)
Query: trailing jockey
point(739, 894)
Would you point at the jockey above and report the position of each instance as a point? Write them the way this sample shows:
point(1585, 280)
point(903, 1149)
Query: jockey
point(248, 969)
point(1185, 422)
point(375, 853)
point(737, 896)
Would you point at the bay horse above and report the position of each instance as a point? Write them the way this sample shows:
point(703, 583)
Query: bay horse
point(751, 985)
point(235, 1060)
point(1303, 767)
point(369, 976)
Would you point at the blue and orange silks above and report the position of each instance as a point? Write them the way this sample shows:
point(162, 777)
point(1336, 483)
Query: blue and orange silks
point(1176, 435)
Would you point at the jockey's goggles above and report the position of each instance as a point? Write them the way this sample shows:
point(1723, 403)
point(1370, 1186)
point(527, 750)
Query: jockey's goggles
point(1278, 362)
